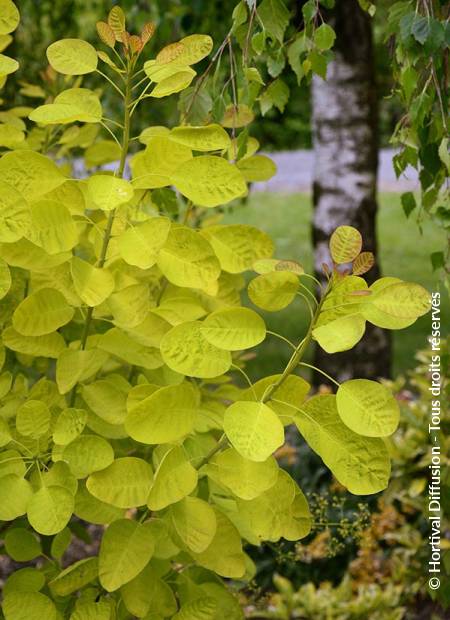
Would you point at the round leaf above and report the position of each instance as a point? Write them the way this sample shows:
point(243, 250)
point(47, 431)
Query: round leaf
point(52, 227)
point(203, 138)
point(257, 168)
point(74, 577)
point(15, 215)
point(281, 511)
point(24, 580)
point(60, 475)
point(139, 244)
point(41, 313)
point(125, 348)
point(28, 606)
point(117, 22)
point(92, 284)
point(75, 366)
point(195, 47)
point(5, 279)
point(11, 462)
point(50, 345)
point(26, 255)
point(88, 453)
point(324, 37)
point(73, 104)
point(22, 545)
point(60, 543)
point(341, 334)
point(91, 509)
point(106, 34)
point(360, 463)
point(7, 65)
point(187, 259)
point(345, 244)
point(9, 17)
point(130, 305)
point(15, 494)
point(380, 317)
point(11, 137)
point(403, 300)
point(5, 433)
point(50, 509)
point(209, 181)
point(273, 291)
point(69, 424)
point(106, 400)
point(152, 168)
point(173, 84)
point(147, 591)
point(72, 57)
point(125, 483)
point(195, 523)
point(238, 246)
point(234, 329)
point(203, 608)
point(253, 429)
point(90, 610)
point(246, 479)
point(126, 548)
point(174, 479)
point(166, 415)
point(367, 407)
point(33, 419)
point(224, 555)
point(363, 263)
point(31, 174)
point(108, 192)
point(185, 350)
point(102, 152)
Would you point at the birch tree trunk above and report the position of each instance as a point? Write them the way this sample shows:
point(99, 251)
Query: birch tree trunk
point(346, 158)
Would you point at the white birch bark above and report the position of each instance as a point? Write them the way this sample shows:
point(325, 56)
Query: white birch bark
point(345, 173)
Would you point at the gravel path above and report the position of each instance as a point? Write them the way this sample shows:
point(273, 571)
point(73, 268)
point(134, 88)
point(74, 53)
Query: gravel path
point(295, 173)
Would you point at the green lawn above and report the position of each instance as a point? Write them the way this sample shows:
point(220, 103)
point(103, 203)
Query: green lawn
point(404, 253)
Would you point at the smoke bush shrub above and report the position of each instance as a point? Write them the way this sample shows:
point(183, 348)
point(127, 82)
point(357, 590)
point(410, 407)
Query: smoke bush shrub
point(121, 323)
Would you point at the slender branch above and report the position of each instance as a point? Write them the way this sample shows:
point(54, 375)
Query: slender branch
point(310, 293)
point(297, 355)
point(110, 120)
point(204, 76)
point(119, 58)
point(234, 94)
point(223, 441)
point(321, 372)
point(247, 38)
point(311, 311)
point(291, 344)
point(135, 103)
point(138, 73)
point(113, 84)
point(439, 96)
point(105, 126)
point(246, 377)
point(188, 212)
point(110, 222)
point(140, 82)
point(308, 275)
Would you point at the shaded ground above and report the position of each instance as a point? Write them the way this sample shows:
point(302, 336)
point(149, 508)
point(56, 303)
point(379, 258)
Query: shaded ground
point(295, 173)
